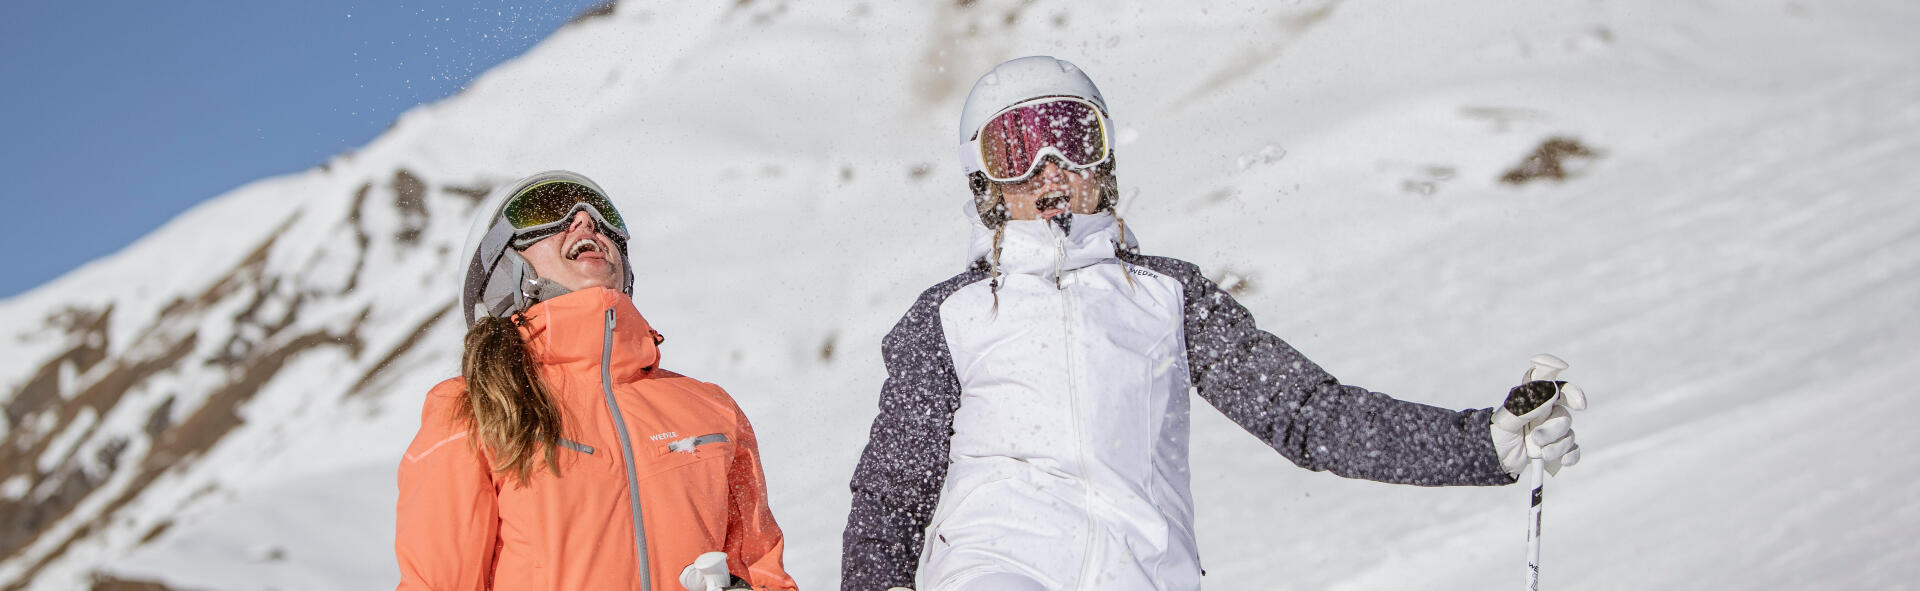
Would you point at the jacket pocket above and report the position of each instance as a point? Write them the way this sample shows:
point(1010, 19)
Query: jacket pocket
point(666, 455)
point(688, 492)
point(692, 444)
point(575, 446)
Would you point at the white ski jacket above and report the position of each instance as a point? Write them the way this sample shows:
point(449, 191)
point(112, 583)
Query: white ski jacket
point(1036, 422)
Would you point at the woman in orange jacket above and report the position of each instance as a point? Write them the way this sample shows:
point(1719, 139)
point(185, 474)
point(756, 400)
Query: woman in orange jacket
point(564, 457)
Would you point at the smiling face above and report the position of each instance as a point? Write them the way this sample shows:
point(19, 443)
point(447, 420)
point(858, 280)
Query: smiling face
point(578, 257)
point(1052, 191)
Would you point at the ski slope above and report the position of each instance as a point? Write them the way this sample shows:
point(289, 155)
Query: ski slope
point(1733, 278)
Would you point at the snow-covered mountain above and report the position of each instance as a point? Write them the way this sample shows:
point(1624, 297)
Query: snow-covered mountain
point(1732, 266)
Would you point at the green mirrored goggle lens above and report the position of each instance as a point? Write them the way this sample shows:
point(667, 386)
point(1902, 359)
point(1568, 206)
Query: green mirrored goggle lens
point(552, 201)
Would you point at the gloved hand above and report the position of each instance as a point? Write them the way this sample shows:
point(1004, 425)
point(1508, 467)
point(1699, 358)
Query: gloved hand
point(709, 573)
point(1534, 423)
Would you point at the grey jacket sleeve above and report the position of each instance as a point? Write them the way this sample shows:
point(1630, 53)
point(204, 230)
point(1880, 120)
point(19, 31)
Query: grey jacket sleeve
point(1299, 409)
point(897, 483)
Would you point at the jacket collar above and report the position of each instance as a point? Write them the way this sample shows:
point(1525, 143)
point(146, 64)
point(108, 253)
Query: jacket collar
point(569, 331)
point(1042, 248)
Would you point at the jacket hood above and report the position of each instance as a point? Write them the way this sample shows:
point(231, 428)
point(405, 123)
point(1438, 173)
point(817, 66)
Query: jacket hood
point(1040, 247)
point(570, 331)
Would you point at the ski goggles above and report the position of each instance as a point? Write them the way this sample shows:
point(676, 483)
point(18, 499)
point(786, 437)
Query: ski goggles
point(546, 208)
point(1014, 142)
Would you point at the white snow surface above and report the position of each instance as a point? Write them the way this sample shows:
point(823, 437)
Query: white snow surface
point(1734, 279)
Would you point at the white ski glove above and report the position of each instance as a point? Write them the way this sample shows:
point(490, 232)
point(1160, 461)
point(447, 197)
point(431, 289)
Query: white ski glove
point(1534, 423)
point(709, 573)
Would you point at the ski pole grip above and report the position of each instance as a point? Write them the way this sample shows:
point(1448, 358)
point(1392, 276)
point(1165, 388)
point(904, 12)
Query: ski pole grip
point(707, 573)
point(1545, 367)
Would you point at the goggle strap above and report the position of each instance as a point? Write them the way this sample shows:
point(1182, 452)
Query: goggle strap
point(970, 155)
point(495, 243)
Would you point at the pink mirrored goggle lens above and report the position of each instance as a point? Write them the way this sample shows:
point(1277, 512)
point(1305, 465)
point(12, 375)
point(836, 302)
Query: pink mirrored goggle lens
point(1011, 143)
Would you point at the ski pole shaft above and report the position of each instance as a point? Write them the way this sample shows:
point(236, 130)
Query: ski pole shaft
point(1545, 367)
point(1536, 479)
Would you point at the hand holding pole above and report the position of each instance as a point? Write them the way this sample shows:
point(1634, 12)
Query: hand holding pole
point(1545, 367)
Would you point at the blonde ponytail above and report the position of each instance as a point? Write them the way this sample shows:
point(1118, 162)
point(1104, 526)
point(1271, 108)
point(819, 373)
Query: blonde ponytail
point(508, 409)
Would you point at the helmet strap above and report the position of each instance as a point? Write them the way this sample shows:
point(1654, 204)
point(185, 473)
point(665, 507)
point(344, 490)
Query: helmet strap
point(531, 288)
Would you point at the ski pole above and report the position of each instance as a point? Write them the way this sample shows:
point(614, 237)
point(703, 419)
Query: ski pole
point(1545, 367)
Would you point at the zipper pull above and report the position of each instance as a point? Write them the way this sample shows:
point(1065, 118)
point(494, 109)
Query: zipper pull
point(610, 322)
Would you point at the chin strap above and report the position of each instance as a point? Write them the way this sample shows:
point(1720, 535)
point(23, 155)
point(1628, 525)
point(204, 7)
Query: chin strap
point(539, 289)
point(529, 289)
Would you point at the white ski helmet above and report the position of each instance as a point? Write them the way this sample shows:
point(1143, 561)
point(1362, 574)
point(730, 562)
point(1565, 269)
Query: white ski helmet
point(498, 281)
point(1018, 80)
point(1012, 82)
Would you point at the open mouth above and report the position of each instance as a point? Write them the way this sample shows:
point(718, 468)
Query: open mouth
point(1055, 200)
point(583, 246)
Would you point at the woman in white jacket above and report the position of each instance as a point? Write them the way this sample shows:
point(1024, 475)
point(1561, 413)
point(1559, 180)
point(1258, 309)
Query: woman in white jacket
point(1033, 427)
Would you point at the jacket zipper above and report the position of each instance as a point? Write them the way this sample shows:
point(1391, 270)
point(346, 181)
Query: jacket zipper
point(626, 454)
point(1070, 314)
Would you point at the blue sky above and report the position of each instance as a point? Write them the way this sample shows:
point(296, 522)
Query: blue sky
point(136, 111)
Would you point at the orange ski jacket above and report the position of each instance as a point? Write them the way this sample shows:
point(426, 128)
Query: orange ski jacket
point(637, 499)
